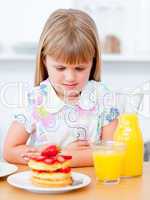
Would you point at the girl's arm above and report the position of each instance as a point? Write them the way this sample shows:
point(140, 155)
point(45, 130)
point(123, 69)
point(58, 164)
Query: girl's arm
point(82, 158)
point(15, 148)
point(15, 144)
point(108, 130)
point(81, 151)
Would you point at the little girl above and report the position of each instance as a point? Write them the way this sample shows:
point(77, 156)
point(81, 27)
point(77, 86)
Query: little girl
point(68, 105)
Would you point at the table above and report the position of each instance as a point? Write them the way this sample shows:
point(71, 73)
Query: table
point(136, 188)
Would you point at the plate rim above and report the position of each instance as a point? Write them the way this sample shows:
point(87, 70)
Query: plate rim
point(50, 189)
point(13, 169)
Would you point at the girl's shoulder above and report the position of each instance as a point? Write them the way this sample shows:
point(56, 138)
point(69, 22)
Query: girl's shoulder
point(93, 94)
point(45, 97)
point(97, 87)
point(36, 94)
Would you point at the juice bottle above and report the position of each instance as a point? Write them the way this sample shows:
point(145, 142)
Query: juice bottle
point(128, 131)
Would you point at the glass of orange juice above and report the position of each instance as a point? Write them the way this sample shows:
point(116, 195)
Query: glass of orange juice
point(108, 161)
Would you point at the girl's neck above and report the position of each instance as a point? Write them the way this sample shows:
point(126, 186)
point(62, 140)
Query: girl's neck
point(69, 100)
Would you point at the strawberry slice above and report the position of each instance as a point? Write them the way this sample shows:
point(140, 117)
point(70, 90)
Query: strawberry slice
point(65, 170)
point(38, 158)
point(67, 157)
point(51, 150)
point(50, 160)
point(40, 171)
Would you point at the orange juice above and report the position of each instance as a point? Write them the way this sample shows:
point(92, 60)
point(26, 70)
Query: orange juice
point(108, 163)
point(128, 131)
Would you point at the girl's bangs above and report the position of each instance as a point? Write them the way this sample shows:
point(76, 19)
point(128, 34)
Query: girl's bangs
point(72, 53)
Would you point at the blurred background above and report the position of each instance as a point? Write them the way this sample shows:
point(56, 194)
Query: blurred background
point(124, 31)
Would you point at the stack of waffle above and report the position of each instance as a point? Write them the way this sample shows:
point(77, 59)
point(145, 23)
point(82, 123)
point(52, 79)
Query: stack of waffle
point(51, 169)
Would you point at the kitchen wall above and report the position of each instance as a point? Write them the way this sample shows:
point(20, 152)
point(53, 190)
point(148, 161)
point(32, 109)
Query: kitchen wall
point(127, 19)
point(24, 20)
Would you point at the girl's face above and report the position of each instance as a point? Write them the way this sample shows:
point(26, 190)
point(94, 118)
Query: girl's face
point(67, 80)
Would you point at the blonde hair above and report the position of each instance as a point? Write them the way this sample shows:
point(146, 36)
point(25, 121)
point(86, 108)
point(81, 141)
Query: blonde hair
point(70, 36)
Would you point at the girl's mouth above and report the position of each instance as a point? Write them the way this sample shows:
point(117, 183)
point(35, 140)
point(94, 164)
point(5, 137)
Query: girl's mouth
point(70, 86)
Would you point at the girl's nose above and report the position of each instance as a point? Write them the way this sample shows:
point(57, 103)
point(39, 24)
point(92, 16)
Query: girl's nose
point(70, 75)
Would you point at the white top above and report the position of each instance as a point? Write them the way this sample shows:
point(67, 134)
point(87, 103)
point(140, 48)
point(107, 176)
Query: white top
point(50, 120)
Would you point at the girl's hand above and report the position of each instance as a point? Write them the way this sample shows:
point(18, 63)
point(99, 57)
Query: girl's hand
point(77, 145)
point(31, 152)
point(81, 152)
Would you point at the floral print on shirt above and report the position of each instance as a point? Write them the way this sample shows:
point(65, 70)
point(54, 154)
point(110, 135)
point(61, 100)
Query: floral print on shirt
point(54, 121)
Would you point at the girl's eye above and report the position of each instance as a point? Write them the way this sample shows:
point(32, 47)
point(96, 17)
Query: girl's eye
point(79, 69)
point(60, 68)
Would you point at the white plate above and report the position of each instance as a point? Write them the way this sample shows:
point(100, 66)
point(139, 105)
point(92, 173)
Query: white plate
point(7, 169)
point(22, 180)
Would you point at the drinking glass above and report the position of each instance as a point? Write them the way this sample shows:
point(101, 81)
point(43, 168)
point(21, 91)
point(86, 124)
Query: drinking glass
point(108, 160)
